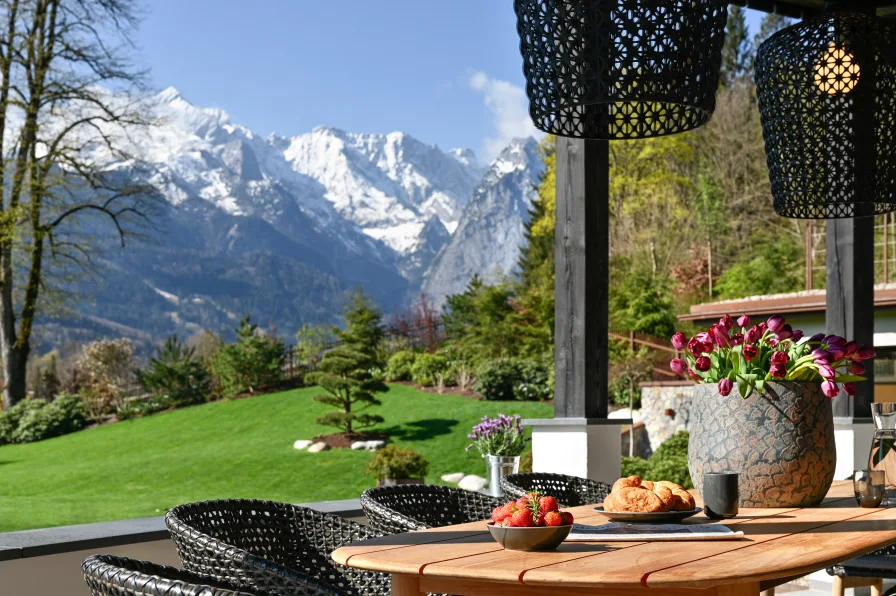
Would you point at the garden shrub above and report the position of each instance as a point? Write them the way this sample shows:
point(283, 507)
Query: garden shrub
point(176, 376)
point(495, 379)
point(523, 379)
point(108, 366)
point(426, 368)
point(669, 462)
point(392, 462)
point(10, 417)
point(41, 420)
point(137, 408)
point(251, 365)
point(399, 366)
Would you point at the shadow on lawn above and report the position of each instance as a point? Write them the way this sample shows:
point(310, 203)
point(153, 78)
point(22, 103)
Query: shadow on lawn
point(421, 430)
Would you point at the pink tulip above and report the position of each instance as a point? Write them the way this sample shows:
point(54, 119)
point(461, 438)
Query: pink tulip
point(851, 347)
point(822, 355)
point(679, 341)
point(727, 322)
point(785, 332)
point(780, 358)
point(694, 376)
point(725, 387)
point(743, 321)
point(750, 352)
point(778, 371)
point(697, 347)
point(753, 335)
point(763, 327)
point(775, 323)
point(864, 353)
point(703, 364)
point(830, 389)
point(849, 388)
point(826, 371)
point(857, 368)
point(737, 339)
point(720, 336)
point(678, 366)
point(773, 342)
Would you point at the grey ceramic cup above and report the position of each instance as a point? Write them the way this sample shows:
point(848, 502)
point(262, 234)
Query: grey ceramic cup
point(720, 495)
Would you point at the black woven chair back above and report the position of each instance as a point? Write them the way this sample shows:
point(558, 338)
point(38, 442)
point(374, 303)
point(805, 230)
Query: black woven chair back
point(395, 509)
point(268, 546)
point(570, 491)
point(118, 576)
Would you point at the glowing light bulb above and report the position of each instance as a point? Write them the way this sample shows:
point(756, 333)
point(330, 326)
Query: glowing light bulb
point(837, 71)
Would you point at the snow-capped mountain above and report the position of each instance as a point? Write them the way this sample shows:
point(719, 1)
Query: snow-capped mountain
point(491, 230)
point(281, 227)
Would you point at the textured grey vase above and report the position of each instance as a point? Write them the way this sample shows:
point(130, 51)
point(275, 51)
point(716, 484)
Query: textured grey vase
point(780, 443)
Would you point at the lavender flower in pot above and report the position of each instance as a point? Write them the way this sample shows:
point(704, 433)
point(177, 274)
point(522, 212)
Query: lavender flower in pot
point(500, 441)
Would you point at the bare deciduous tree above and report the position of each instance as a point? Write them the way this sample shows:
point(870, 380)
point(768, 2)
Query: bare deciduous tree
point(69, 99)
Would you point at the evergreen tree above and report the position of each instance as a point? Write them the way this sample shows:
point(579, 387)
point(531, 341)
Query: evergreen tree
point(736, 56)
point(345, 372)
point(771, 24)
point(176, 375)
point(252, 364)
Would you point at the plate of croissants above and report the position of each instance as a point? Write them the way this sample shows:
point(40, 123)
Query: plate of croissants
point(635, 500)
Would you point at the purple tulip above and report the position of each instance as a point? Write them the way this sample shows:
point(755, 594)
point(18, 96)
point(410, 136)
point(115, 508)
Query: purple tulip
point(864, 353)
point(703, 364)
point(737, 339)
point(821, 355)
point(830, 389)
point(826, 371)
point(775, 322)
point(817, 338)
point(797, 335)
point(753, 335)
point(837, 352)
point(720, 336)
point(785, 332)
point(727, 322)
point(750, 352)
point(857, 368)
point(725, 387)
point(679, 341)
point(678, 366)
point(834, 340)
point(851, 347)
point(743, 321)
point(779, 371)
point(763, 327)
point(849, 388)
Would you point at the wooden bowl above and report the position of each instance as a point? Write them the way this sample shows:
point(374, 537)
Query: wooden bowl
point(530, 539)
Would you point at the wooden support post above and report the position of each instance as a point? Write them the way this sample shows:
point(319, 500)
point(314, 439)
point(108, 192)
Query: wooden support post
point(582, 278)
point(809, 260)
point(886, 247)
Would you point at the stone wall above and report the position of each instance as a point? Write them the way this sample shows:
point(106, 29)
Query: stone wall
point(665, 410)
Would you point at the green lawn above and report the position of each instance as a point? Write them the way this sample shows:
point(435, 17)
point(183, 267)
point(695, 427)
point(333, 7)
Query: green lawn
point(239, 449)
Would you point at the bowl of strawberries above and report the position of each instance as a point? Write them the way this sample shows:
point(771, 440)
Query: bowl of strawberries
point(533, 522)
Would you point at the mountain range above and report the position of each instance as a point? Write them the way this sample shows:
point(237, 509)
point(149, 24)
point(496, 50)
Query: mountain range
point(282, 227)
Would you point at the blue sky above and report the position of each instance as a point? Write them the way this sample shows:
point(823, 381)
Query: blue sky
point(446, 72)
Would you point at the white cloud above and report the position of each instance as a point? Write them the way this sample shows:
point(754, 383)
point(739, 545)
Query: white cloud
point(510, 112)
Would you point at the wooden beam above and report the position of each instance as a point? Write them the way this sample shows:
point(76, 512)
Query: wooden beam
point(582, 278)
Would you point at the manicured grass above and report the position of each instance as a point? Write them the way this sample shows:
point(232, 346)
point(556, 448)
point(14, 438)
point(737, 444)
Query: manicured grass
point(236, 449)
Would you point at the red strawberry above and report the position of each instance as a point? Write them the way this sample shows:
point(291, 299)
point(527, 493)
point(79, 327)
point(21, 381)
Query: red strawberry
point(552, 518)
point(499, 514)
point(546, 504)
point(522, 503)
point(567, 518)
point(522, 519)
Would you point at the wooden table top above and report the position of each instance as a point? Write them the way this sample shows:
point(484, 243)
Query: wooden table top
point(779, 543)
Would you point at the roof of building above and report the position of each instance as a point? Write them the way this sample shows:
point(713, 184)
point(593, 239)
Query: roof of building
point(809, 301)
point(807, 8)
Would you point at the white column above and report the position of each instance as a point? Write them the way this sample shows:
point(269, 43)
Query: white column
point(853, 439)
point(588, 448)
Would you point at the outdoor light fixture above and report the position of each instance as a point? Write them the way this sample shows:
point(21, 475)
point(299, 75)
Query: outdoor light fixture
point(621, 69)
point(827, 96)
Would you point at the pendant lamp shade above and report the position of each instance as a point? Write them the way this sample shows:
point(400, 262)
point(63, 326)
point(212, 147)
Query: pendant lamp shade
point(620, 69)
point(827, 97)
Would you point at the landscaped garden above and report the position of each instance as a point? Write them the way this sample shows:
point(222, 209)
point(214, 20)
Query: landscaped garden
point(231, 449)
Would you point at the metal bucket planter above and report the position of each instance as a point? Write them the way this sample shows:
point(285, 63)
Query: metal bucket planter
point(498, 467)
point(781, 443)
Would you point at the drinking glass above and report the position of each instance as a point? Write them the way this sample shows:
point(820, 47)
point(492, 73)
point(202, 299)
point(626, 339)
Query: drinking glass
point(883, 448)
point(869, 487)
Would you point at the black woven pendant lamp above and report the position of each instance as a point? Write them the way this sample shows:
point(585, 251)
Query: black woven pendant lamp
point(827, 96)
point(621, 69)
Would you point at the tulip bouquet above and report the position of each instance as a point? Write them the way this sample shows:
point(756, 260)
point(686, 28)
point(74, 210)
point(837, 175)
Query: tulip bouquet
point(750, 356)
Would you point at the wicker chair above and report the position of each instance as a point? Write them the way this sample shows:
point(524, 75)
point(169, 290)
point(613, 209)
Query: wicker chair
point(117, 576)
point(868, 570)
point(396, 509)
point(264, 546)
point(570, 491)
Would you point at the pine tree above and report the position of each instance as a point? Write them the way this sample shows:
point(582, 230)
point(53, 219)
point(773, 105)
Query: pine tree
point(345, 372)
point(736, 57)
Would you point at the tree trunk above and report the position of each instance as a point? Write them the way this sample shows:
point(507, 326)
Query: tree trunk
point(14, 363)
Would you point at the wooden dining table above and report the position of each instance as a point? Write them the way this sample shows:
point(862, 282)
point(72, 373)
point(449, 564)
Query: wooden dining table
point(779, 545)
